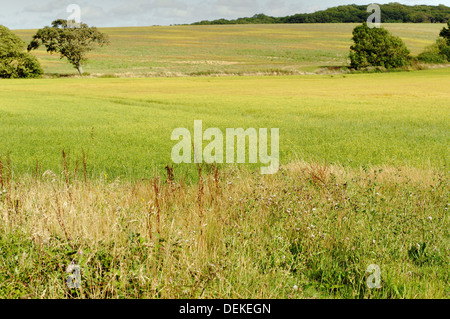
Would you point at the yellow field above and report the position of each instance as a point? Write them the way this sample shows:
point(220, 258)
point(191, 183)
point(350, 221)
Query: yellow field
point(396, 118)
point(232, 49)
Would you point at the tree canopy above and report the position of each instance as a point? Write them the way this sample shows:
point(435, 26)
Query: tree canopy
point(439, 52)
point(377, 47)
point(15, 62)
point(72, 43)
point(445, 33)
point(392, 12)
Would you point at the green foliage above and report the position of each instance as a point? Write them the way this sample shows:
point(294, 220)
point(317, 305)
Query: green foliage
point(377, 47)
point(439, 52)
point(14, 61)
point(445, 33)
point(392, 12)
point(256, 19)
point(72, 43)
point(444, 46)
point(10, 44)
point(310, 226)
point(445, 50)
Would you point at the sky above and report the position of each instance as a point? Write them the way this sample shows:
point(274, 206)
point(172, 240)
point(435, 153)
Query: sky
point(31, 14)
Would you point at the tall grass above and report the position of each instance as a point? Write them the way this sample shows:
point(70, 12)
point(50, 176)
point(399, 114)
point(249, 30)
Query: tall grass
point(124, 125)
point(310, 231)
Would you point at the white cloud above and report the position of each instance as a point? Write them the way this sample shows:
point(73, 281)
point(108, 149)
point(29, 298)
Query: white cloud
point(22, 14)
point(235, 8)
point(46, 7)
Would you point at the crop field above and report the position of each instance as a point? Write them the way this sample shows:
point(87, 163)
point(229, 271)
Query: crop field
point(86, 173)
point(235, 50)
point(124, 126)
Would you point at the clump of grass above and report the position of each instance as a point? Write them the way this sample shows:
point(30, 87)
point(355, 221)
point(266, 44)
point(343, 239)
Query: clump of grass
point(108, 76)
point(2, 183)
point(309, 231)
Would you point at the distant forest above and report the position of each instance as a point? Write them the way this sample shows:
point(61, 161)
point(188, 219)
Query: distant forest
point(390, 13)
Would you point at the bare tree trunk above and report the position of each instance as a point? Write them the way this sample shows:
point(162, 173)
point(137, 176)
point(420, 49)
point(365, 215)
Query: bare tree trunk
point(80, 70)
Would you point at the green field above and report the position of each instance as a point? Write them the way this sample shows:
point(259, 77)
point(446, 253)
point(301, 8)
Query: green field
point(364, 177)
point(360, 119)
point(236, 49)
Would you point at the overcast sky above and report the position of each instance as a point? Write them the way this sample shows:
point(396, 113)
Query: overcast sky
point(29, 14)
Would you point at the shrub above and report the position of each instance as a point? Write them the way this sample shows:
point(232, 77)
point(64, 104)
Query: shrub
point(14, 61)
point(445, 33)
point(377, 47)
point(22, 65)
point(444, 48)
point(437, 53)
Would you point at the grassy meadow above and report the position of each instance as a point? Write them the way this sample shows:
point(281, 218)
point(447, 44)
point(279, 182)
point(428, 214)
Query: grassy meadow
point(232, 50)
point(310, 231)
point(124, 126)
point(363, 180)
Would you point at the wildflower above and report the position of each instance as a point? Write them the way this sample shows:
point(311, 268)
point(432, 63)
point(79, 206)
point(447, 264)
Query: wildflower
point(430, 218)
point(295, 287)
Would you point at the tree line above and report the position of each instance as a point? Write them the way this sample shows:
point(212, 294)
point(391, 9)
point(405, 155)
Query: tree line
point(391, 13)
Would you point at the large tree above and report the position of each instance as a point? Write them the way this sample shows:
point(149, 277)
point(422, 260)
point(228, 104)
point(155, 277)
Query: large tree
point(377, 47)
point(15, 62)
point(70, 42)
